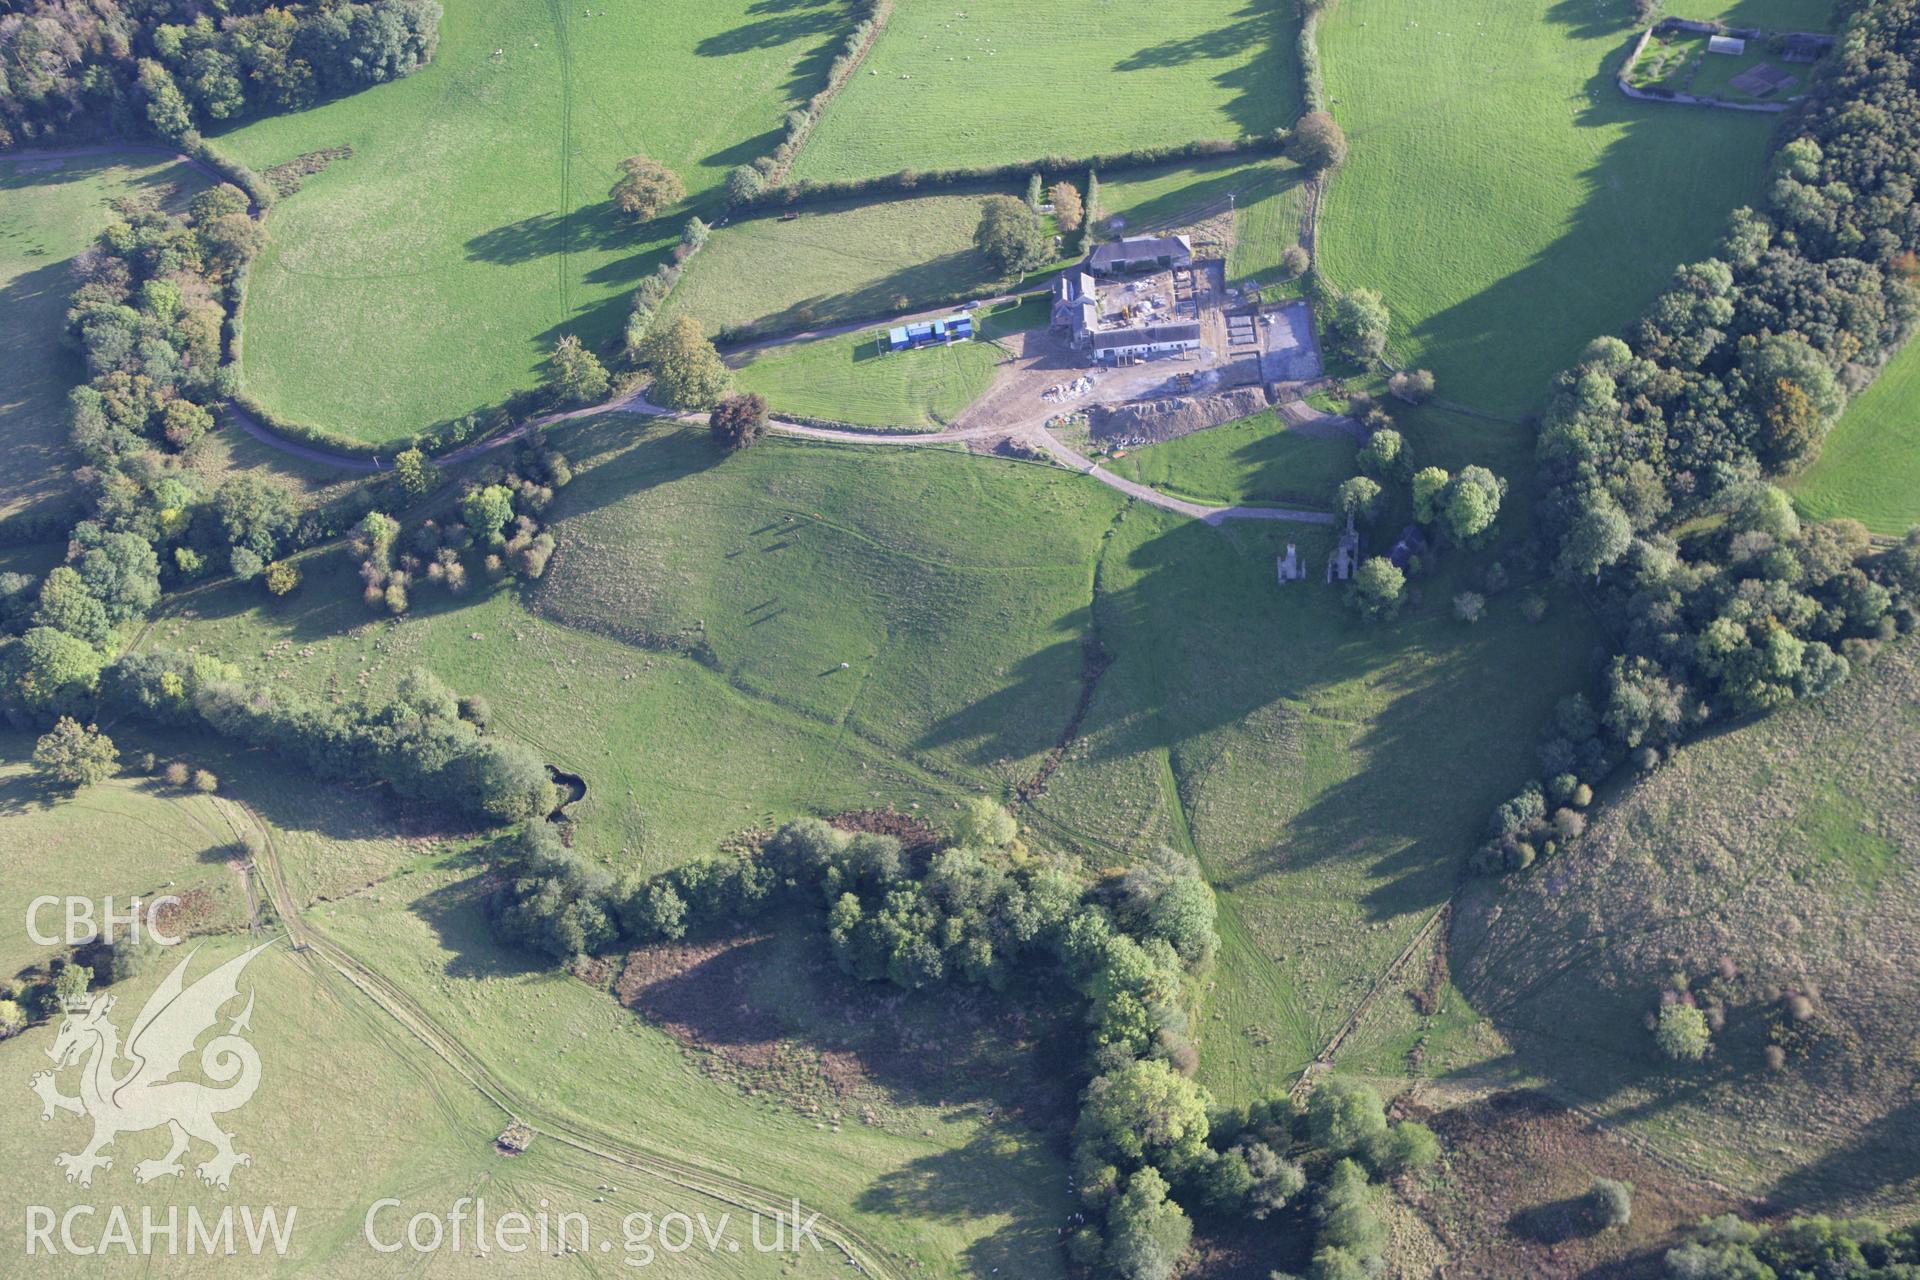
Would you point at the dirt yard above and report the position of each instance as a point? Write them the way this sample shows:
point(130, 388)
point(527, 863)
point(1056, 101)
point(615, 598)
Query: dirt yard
point(1044, 359)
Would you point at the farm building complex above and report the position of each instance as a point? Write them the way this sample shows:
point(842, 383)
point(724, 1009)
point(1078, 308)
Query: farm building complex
point(1124, 322)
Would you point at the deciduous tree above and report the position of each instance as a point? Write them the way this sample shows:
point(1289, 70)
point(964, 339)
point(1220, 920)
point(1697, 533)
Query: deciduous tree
point(1067, 209)
point(738, 421)
point(645, 188)
point(576, 373)
point(687, 370)
point(1317, 142)
point(1011, 236)
point(75, 755)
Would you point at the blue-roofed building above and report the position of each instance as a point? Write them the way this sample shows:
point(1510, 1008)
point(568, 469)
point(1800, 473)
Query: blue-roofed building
point(929, 333)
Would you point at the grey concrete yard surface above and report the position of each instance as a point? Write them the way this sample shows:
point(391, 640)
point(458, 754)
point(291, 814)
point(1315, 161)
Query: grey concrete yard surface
point(1293, 352)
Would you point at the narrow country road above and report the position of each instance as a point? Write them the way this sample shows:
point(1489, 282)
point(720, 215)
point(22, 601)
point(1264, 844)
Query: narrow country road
point(1153, 497)
point(636, 402)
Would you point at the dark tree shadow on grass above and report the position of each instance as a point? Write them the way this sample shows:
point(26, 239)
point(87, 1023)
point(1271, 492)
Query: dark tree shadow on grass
point(38, 460)
point(1593, 19)
point(1556, 1222)
point(983, 1179)
point(1263, 98)
point(783, 22)
point(1029, 712)
point(593, 226)
point(459, 915)
point(23, 793)
point(1883, 1163)
point(1555, 303)
point(1202, 639)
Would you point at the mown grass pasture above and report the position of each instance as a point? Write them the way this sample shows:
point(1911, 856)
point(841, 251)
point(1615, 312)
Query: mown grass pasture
point(1869, 466)
point(854, 379)
point(1261, 459)
point(836, 265)
point(945, 86)
point(1503, 196)
point(1772, 873)
point(471, 226)
point(51, 209)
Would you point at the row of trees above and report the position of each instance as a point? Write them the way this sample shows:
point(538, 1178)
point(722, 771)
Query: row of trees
point(1733, 375)
point(422, 741)
point(1728, 1248)
point(127, 66)
point(750, 188)
point(1149, 1147)
point(148, 315)
point(748, 182)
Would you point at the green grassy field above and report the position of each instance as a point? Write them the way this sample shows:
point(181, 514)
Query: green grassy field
point(1266, 223)
point(351, 1109)
point(942, 84)
point(1869, 467)
point(778, 566)
point(836, 265)
point(1260, 724)
point(471, 226)
point(851, 379)
point(1774, 859)
point(1330, 776)
point(49, 211)
point(1502, 195)
point(1257, 459)
point(938, 1182)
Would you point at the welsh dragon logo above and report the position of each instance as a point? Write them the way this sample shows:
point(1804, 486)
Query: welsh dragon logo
point(142, 1095)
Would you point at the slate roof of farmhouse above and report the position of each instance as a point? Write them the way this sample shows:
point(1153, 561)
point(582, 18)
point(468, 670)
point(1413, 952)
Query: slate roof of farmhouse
point(1073, 286)
point(1146, 335)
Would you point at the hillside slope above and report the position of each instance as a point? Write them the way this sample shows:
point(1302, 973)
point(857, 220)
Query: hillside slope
point(1772, 871)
